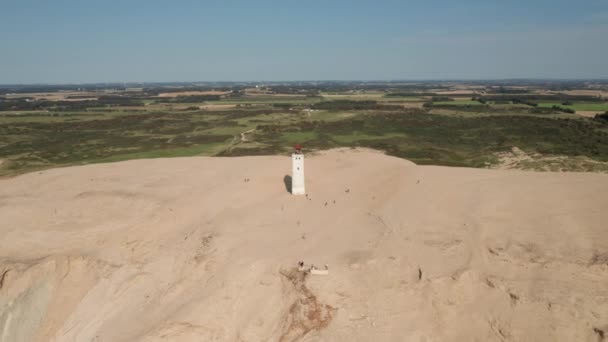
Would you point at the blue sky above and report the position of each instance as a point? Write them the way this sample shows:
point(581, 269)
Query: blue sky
point(145, 41)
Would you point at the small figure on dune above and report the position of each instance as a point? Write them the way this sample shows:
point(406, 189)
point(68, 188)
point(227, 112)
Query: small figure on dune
point(312, 269)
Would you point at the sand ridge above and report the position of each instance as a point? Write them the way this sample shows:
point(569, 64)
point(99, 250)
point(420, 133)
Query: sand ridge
point(185, 249)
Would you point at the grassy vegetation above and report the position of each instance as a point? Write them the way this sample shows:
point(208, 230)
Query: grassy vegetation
point(31, 145)
point(447, 140)
point(461, 132)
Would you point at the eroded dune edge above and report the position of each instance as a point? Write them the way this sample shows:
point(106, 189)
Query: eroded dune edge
point(206, 249)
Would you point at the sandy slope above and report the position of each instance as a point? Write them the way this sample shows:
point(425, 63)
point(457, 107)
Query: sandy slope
point(185, 250)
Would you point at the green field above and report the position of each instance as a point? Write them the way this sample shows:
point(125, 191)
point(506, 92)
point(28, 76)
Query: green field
point(462, 133)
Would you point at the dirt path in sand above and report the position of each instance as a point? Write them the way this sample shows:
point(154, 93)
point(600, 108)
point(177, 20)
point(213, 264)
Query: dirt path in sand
point(243, 137)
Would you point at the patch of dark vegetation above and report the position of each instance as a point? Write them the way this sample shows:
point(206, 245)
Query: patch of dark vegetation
point(487, 108)
point(29, 144)
point(450, 140)
point(516, 100)
point(563, 109)
point(191, 108)
point(350, 105)
point(81, 97)
point(283, 105)
point(535, 98)
point(409, 94)
point(441, 99)
point(189, 99)
point(504, 100)
point(45, 115)
point(543, 110)
point(506, 90)
point(23, 104)
point(460, 108)
point(258, 151)
point(309, 90)
point(602, 117)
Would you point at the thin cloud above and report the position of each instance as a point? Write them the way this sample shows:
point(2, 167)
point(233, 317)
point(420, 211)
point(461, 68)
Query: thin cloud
point(538, 34)
point(598, 18)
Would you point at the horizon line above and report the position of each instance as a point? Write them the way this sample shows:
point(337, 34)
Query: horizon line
point(600, 79)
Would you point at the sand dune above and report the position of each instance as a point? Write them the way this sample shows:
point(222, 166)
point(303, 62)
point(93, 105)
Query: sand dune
point(185, 249)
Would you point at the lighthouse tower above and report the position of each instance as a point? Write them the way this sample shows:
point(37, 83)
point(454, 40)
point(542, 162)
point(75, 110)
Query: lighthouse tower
point(297, 172)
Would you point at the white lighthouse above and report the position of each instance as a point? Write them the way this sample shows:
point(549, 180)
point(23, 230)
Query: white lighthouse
point(297, 172)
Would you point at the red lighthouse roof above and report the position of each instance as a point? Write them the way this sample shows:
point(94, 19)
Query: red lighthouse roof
point(298, 148)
